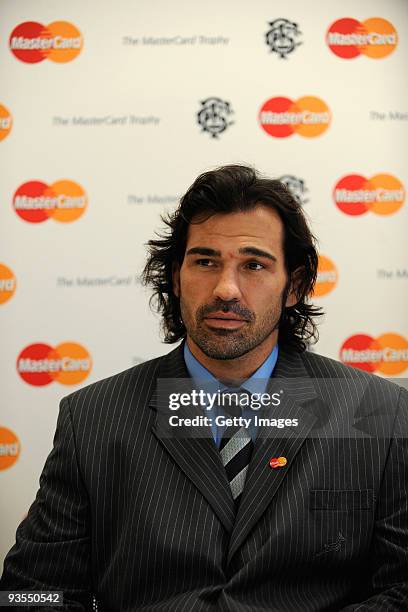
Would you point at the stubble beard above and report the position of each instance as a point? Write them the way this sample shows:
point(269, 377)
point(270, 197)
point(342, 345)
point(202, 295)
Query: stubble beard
point(227, 344)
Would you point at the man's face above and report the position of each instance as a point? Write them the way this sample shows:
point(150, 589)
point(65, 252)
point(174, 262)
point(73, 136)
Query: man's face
point(232, 282)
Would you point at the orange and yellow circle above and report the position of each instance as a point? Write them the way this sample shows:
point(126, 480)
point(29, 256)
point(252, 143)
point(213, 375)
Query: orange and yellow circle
point(6, 122)
point(327, 276)
point(7, 283)
point(10, 448)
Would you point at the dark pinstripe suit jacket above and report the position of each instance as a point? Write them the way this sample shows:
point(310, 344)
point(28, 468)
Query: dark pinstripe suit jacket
point(148, 524)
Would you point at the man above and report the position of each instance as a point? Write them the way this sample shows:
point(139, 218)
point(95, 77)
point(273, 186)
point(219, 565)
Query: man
point(303, 511)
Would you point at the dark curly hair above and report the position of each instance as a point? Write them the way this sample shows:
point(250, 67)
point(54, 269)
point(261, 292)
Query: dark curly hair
point(236, 188)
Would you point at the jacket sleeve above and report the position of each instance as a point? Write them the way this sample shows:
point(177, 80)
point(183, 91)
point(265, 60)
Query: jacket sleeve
point(389, 553)
point(52, 549)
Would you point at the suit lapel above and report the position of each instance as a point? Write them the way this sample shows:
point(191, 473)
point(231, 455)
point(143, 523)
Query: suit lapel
point(193, 449)
point(298, 401)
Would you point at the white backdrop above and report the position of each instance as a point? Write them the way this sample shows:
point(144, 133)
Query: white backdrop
point(113, 114)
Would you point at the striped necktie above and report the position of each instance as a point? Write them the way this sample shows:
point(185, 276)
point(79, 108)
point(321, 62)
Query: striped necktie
point(236, 449)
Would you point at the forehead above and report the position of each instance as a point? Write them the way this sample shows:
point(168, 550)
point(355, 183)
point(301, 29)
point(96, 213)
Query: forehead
point(261, 226)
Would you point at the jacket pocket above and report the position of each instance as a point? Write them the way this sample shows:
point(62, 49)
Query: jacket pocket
point(341, 500)
point(341, 523)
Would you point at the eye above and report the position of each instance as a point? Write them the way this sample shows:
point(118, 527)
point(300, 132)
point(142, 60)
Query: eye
point(206, 263)
point(255, 265)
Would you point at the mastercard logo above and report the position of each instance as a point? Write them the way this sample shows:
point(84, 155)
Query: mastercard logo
point(277, 462)
point(9, 448)
point(387, 354)
point(6, 122)
point(7, 283)
point(63, 201)
point(40, 364)
point(60, 41)
point(383, 194)
point(327, 276)
point(374, 37)
point(281, 117)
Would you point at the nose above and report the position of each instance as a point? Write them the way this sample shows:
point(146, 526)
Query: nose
point(227, 287)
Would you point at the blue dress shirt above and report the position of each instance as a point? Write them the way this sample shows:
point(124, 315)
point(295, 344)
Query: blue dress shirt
point(257, 383)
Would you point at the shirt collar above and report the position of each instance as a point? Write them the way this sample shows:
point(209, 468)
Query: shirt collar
point(255, 384)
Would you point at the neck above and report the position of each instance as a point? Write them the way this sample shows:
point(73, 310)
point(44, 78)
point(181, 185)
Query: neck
point(235, 371)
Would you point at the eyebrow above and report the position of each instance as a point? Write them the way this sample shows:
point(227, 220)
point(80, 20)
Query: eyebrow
point(249, 250)
point(203, 251)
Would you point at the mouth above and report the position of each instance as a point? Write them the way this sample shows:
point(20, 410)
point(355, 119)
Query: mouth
point(222, 320)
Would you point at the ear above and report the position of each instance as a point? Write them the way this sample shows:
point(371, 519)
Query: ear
point(293, 294)
point(176, 279)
